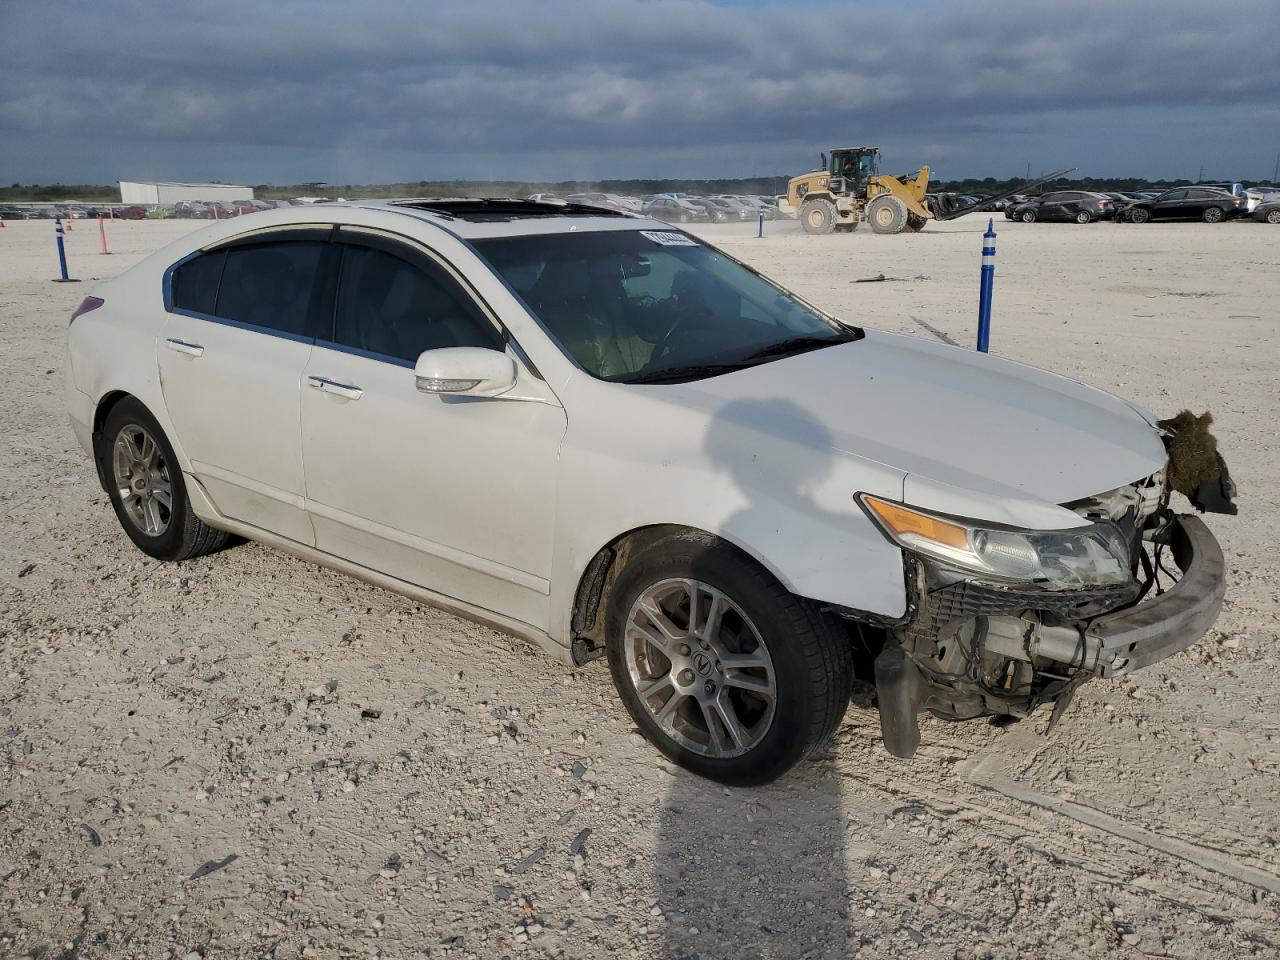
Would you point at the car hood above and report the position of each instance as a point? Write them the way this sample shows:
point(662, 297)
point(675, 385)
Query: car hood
point(967, 429)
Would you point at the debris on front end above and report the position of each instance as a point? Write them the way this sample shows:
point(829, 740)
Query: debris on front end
point(976, 645)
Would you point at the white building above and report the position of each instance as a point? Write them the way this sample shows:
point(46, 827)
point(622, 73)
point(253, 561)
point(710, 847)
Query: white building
point(165, 193)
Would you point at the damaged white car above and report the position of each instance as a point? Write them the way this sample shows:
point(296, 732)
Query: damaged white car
point(594, 431)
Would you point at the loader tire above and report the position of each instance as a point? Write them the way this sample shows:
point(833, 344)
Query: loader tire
point(818, 216)
point(915, 224)
point(887, 214)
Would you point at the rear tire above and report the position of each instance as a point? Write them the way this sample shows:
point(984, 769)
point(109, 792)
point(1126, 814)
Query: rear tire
point(887, 214)
point(147, 488)
point(787, 696)
point(818, 216)
point(1084, 216)
point(1027, 216)
point(1213, 215)
point(1139, 215)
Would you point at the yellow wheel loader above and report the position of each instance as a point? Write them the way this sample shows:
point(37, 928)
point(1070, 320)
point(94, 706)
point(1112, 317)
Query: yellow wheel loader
point(850, 188)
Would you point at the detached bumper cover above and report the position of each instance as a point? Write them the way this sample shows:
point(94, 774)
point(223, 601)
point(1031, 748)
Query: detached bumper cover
point(1158, 628)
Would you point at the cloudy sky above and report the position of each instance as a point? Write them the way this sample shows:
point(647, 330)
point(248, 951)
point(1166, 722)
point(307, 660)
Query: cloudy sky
point(367, 91)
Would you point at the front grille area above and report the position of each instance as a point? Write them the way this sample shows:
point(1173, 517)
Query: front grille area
point(965, 599)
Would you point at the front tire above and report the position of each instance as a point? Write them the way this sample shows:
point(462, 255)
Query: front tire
point(887, 214)
point(147, 488)
point(1273, 216)
point(722, 669)
point(1027, 216)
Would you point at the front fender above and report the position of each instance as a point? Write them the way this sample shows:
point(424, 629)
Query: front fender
point(787, 503)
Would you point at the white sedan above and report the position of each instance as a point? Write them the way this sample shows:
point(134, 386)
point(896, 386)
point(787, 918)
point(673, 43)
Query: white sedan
point(596, 432)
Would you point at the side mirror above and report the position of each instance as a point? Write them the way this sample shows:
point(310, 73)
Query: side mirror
point(465, 371)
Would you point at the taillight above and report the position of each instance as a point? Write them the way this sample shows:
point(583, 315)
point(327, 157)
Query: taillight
point(86, 305)
point(1103, 203)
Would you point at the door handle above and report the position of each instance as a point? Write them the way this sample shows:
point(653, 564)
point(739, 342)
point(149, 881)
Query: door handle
point(344, 390)
point(181, 346)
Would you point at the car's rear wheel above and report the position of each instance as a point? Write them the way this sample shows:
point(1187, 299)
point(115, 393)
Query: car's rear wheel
point(1027, 216)
point(721, 668)
point(1212, 215)
point(1139, 215)
point(147, 489)
point(1084, 216)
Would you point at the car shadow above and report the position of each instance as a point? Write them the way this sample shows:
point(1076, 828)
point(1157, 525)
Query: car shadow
point(759, 873)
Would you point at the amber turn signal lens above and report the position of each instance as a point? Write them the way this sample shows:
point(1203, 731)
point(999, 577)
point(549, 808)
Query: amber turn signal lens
point(900, 521)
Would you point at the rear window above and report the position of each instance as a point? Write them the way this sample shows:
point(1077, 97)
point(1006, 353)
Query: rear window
point(195, 283)
point(270, 285)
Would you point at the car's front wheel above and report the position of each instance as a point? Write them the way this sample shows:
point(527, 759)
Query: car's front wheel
point(147, 489)
point(721, 668)
point(1273, 216)
point(1027, 216)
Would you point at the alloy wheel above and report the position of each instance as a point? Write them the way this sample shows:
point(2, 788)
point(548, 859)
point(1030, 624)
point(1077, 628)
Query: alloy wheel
point(142, 478)
point(700, 668)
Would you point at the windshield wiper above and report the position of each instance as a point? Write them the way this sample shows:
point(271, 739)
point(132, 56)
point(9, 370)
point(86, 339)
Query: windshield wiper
point(694, 371)
point(797, 345)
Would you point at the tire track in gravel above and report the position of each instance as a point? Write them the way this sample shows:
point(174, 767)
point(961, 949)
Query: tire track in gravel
point(1028, 819)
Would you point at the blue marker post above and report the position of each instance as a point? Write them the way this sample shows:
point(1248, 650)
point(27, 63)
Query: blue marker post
point(988, 279)
point(62, 253)
point(760, 226)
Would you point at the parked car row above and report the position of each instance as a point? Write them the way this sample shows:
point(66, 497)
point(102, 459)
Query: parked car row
point(1211, 204)
point(680, 207)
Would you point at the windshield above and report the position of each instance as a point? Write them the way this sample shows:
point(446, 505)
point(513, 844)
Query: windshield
point(655, 305)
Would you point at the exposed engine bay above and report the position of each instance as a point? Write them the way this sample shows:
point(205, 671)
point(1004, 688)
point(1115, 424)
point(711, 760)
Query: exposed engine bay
point(972, 646)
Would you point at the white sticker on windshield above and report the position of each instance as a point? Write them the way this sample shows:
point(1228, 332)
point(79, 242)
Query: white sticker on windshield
point(668, 239)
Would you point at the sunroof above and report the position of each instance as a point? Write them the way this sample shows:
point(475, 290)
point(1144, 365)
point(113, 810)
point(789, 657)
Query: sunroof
point(479, 210)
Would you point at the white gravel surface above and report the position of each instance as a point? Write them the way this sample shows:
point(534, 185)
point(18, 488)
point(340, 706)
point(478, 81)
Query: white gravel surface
point(249, 756)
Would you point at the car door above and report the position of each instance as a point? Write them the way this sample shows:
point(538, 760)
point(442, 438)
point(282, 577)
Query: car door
point(452, 493)
point(1051, 207)
point(1170, 206)
point(236, 341)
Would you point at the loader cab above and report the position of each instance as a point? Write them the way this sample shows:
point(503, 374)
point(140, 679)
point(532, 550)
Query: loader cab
point(851, 167)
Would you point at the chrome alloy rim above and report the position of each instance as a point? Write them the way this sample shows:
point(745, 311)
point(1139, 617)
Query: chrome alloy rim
point(700, 668)
point(142, 479)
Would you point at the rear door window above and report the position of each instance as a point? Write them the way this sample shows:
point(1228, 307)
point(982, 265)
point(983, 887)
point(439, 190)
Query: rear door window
point(195, 283)
point(399, 306)
point(270, 285)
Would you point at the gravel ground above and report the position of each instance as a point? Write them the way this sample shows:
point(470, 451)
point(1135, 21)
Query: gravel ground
point(249, 756)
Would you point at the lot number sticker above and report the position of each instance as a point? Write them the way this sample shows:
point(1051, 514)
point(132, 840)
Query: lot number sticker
point(668, 239)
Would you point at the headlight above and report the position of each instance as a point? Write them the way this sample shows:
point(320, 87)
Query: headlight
point(1062, 559)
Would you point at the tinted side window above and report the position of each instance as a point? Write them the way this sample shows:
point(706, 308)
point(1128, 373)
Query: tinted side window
point(270, 285)
point(195, 283)
point(390, 306)
point(1175, 195)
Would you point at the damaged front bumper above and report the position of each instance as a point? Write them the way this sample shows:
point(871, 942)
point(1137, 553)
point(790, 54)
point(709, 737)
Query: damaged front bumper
point(976, 648)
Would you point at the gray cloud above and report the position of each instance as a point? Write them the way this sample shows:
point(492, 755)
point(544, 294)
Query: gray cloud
point(398, 89)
